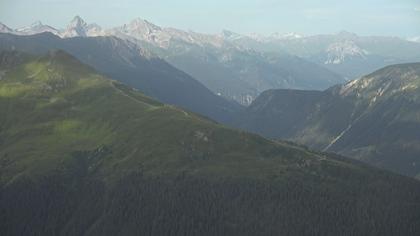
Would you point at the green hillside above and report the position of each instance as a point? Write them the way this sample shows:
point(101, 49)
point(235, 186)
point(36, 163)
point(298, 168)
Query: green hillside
point(136, 67)
point(56, 105)
point(84, 155)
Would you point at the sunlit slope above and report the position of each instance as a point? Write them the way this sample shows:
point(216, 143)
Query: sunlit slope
point(375, 119)
point(55, 106)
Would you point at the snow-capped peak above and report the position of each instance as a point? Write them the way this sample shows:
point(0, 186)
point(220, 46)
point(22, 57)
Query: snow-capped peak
point(76, 28)
point(5, 29)
point(139, 23)
point(79, 28)
point(36, 24)
point(77, 22)
point(291, 35)
point(230, 35)
point(414, 39)
point(141, 29)
point(36, 28)
point(276, 36)
point(340, 51)
point(258, 37)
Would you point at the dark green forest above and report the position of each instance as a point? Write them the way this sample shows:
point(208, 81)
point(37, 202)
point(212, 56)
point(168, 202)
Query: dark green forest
point(187, 205)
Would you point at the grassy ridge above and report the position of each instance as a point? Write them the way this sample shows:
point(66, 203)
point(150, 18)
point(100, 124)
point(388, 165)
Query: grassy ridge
point(64, 106)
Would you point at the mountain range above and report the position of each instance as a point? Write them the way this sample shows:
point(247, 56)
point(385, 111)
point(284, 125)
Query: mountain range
point(375, 119)
point(345, 53)
point(228, 69)
point(240, 67)
point(414, 39)
point(237, 68)
point(81, 154)
point(76, 28)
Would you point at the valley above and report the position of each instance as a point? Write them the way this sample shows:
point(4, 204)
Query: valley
point(209, 118)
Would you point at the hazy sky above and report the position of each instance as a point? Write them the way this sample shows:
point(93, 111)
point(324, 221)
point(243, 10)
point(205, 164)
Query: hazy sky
point(365, 17)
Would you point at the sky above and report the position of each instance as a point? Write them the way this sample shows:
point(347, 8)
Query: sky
point(364, 17)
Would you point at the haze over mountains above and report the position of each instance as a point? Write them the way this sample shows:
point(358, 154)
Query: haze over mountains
point(337, 51)
point(414, 39)
point(232, 66)
point(140, 129)
point(221, 62)
point(128, 63)
point(84, 155)
point(375, 119)
point(345, 53)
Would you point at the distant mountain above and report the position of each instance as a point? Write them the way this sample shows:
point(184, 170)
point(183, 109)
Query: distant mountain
point(5, 29)
point(272, 37)
point(345, 53)
point(36, 28)
point(240, 67)
point(126, 62)
point(84, 155)
point(227, 69)
point(76, 28)
point(79, 28)
point(341, 52)
point(223, 66)
point(243, 75)
point(375, 119)
point(143, 30)
point(415, 39)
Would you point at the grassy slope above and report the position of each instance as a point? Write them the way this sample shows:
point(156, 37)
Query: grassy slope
point(65, 131)
point(56, 106)
point(125, 62)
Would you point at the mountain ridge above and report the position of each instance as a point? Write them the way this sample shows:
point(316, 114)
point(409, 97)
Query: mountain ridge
point(373, 118)
point(82, 154)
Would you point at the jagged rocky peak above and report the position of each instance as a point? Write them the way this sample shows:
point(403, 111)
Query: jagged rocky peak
point(37, 24)
point(76, 28)
point(36, 28)
point(341, 51)
point(77, 22)
point(141, 29)
point(143, 25)
point(79, 28)
point(230, 35)
point(4, 28)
